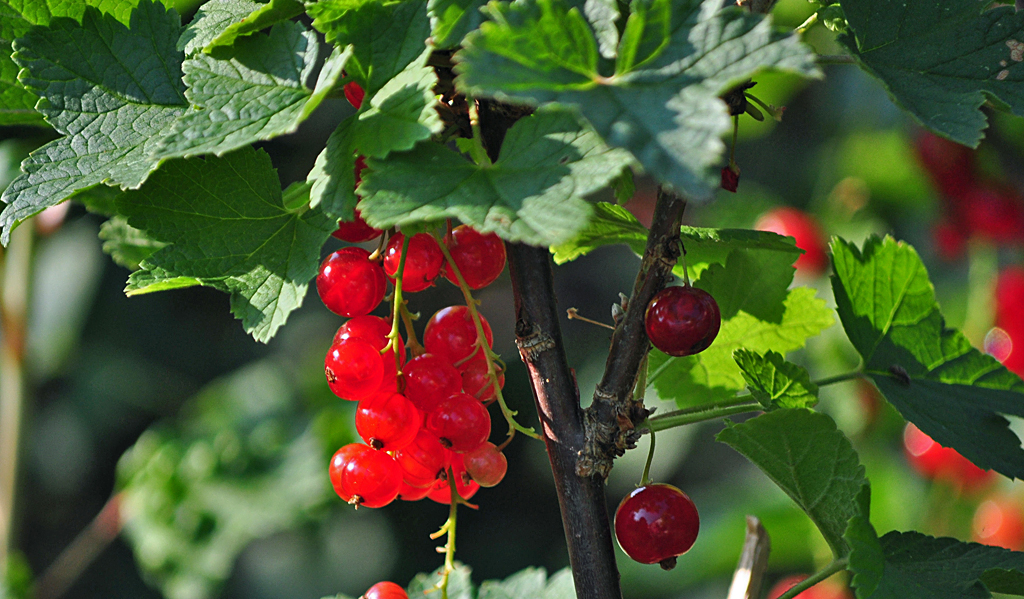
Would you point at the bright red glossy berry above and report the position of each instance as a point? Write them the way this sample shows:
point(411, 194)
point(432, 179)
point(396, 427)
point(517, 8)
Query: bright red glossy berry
point(460, 421)
point(407, 492)
point(387, 421)
point(826, 589)
point(477, 382)
point(364, 476)
point(422, 265)
point(385, 590)
point(682, 321)
point(354, 369)
point(936, 462)
point(349, 283)
point(465, 486)
point(479, 257)
point(804, 229)
point(374, 330)
point(1000, 522)
point(424, 460)
point(485, 464)
point(429, 379)
point(451, 334)
point(655, 524)
point(354, 93)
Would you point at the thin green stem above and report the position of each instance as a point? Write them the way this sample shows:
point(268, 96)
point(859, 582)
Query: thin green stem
point(415, 347)
point(645, 478)
point(703, 413)
point(396, 307)
point(813, 579)
point(476, 150)
point(448, 528)
point(839, 378)
point(835, 59)
point(481, 341)
point(811, 20)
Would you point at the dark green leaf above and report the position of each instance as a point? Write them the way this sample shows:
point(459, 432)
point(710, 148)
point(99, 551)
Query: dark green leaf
point(812, 461)
point(705, 247)
point(666, 109)
point(227, 227)
point(773, 381)
point(933, 376)
point(451, 20)
point(127, 245)
point(255, 90)
point(221, 22)
point(17, 104)
point(941, 60)
point(867, 562)
point(533, 193)
point(110, 91)
point(713, 374)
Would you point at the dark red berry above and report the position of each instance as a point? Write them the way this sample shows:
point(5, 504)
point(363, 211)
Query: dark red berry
point(682, 321)
point(730, 179)
point(655, 524)
point(354, 369)
point(451, 334)
point(364, 476)
point(485, 464)
point(354, 93)
point(460, 421)
point(387, 421)
point(804, 229)
point(951, 166)
point(422, 265)
point(349, 283)
point(479, 257)
point(385, 590)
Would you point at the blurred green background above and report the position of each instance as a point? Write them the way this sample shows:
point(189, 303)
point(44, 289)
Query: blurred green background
point(226, 441)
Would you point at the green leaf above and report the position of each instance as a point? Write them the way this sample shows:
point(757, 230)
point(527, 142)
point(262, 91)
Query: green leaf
point(386, 37)
point(705, 247)
point(127, 245)
point(531, 582)
point(933, 376)
point(18, 16)
point(451, 20)
point(917, 565)
point(17, 104)
point(773, 381)
point(941, 60)
point(460, 586)
point(867, 562)
point(533, 193)
point(662, 105)
point(254, 91)
point(609, 225)
point(811, 460)
point(755, 281)
point(221, 22)
point(603, 16)
point(227, 227)
point(713, 375)
point(110, 91)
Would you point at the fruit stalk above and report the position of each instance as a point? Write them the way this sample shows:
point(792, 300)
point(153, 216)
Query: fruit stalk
point(581, 499)
point(813, 579)
point(612, 420)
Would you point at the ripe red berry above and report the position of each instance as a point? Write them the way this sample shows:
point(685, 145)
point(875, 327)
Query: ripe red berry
point(485, 464)
point(407, 492)
point(804, 229)
point(991, 212)
point(682, 321)
point(429, 379)
point(424, 460)
point(1010, 299)
point(936, 462)
point(464, 485)
point(950, 165)
point(387, 421)
point(730, 179)
point(354, 369)
point(826, 589)
point(479, 257)
point(385, 590)
point(364, 476)
point(655, 524)
point(349, 283)
point(375, 330)
point(476, 381)
point(354, 93)
point(460, 421)
point(422, 265)
point(1000, 522)
point(451, 334)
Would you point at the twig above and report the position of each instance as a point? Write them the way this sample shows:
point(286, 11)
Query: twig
point(748, 578)
point(574, 314)
point(82, 551)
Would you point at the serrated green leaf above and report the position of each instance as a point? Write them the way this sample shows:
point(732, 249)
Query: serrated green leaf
point(931, 374)
point(705, 247)
point(332, 178)
point(227, 227)
point(647, 33)
point(603, 16)
point(919, 566)
point(755, 281)
point(941, 60)
point(713, 375)
point(109, 90)
point(221, 22)
point(609, 225)
point(386, 37)
point(867, 562)
point(811, 460)
point(17, 104)
point(666, 113)
point(525, 583)
point(451, 20)
point(533, 193)
point(460, 586)
point(18, 16)
point(773, 381)
point(127, 245)
point(255, 90)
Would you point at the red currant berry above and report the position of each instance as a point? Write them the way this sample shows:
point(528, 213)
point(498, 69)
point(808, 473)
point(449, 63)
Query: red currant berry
point(349, 283)
point(354, 369)
point(407, 492)
point(375, 330)
point(949, 164)
point(936, 462)
point(387, 421)
point(354, 93)
point(356, 230)
point(682, 321)
point(1010, 299)
point(730, 179)
point(424, 460)
point(480, 258)
point(464, 485)
point(485, 464)
point(991, 213)
point(422, 265)
point(655, 524)
point(364, 476)
point(461, 422)
point(385, 590)
point(451, 334)
point(804, 229)
point(826, 589)
point(429, 379)
point(1000, 522)
point(476, 381)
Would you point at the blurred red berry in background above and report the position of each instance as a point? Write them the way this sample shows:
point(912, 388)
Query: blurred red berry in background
point(802, 227)
point(935, 462)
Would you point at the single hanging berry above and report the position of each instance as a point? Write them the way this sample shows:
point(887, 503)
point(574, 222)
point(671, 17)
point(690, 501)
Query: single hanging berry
point(422, 265)
point(385, 590)
point(682, 321)
point(364, 476)
point(451, 334)
point(387, 421)
point(480, 257)
point(485, 464)
point(354, 369)
point(354, 94)
point(655, 524)
point(731, 178)
point(349, 283)
point(460, 421)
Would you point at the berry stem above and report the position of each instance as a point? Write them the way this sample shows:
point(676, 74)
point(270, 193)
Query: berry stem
point(415, 347)
point(711, 411)
point(574, 314)
point(839, 378)
point(813, 579)
point(449, 529)
point(397, 305)
point(481, 341)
